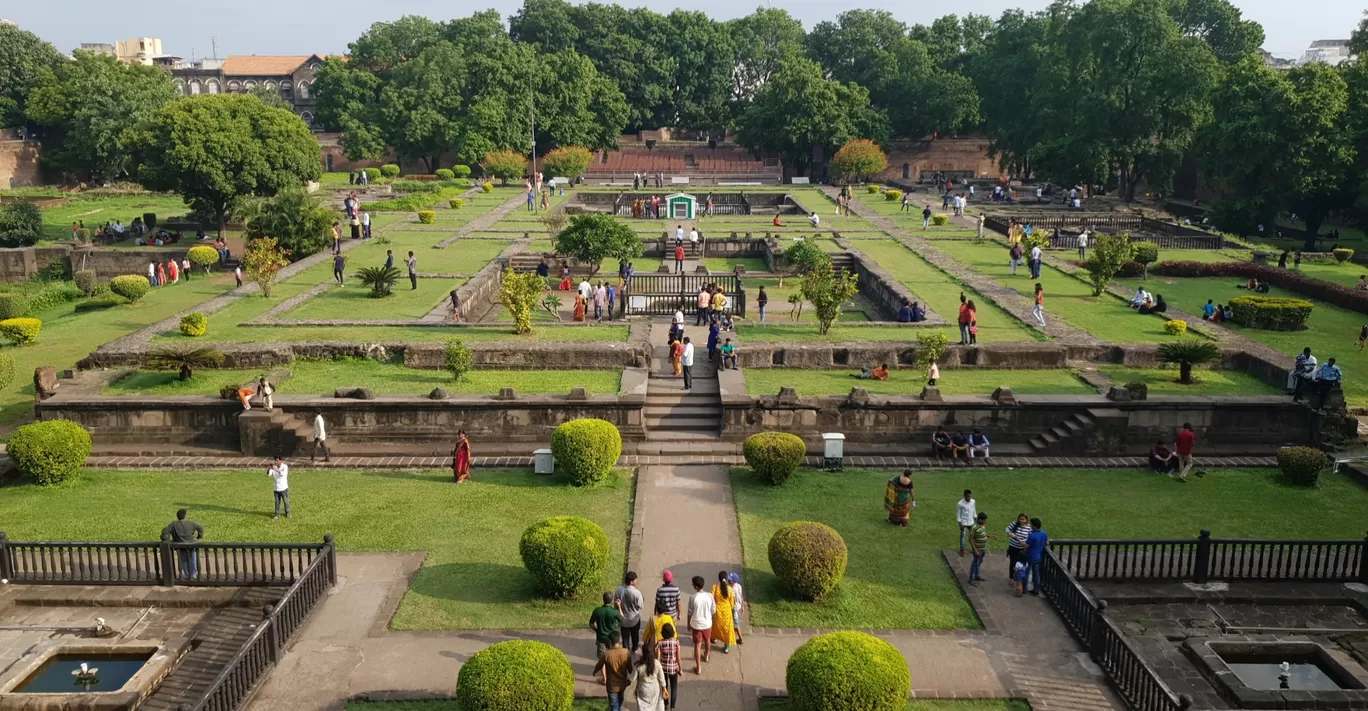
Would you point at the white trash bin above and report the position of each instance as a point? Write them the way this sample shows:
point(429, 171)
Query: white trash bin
point(544, 462)
point(833, 451)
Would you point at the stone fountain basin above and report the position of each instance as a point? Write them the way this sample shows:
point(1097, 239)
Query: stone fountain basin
point(164, 657)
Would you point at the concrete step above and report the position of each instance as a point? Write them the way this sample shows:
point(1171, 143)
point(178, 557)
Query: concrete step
point(685, 408)
point(682, 436)
point(684, 448)
point(1061, 432)
point(708, 424)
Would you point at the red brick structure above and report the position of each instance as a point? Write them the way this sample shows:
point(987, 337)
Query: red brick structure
point(18, 161)
point(908, 158)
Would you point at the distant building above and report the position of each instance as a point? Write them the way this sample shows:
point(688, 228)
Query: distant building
point(1332, 52)
point(291, 75)
point(99, 48)
point(138, 50)
point(1282, 63)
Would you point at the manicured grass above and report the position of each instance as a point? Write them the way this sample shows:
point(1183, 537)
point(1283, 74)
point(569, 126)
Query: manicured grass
point(857, 308)
point(1331, 331)
point(728, 264)
point(352, 300)
point(897, 579)
point(472, 577)
point(321, 377)
point(1066, 298)
point(452, 705)
point(941, 292)
point(906, 381)
point(918, 705)
point(68, 336)
point(1164, 381)
point(95, 210)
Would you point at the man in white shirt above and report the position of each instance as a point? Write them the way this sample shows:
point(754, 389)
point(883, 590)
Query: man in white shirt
point(679, 234)
point(586, 289)
point(966, 513)
point(365, 225)
point(687, 364)
point(320, 437)
point(702, 607)
point(280, 471)
point(1083, 244)
point(1036, 256)
point(678, 319)
point(814, 219)
point(693, 240)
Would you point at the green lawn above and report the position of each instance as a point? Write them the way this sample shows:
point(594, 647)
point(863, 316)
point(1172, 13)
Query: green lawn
point(1066, 298)
point(941, 292)
point(857, 308)
point(1164, 381)
point(916, 705)
point(896, 578)
point(728, 264)
point(95, 210)
point(452, 705)
point(321, 377)
point(472, 577)
point(905, 381)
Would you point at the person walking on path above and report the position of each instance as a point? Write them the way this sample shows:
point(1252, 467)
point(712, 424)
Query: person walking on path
point(966, 512)
point(1186, 440)
point(612, 299)
point(724, 617)
point(702, 610)
point(926, 216)
point(237, 274)
point(978, 546)
point(320, 437)
point(763, 300)
point(389, 259)
point(339, 263)
point(1036, 256)
point(651, 689)
point(653, 627)
point(677, 356)
point(412, 264)
point(629, 603)
point(668, 649)
point(365, 225)
point(606, 622)
point(713, 333)
point(704, 301)
point(1014, 257)
point(738, 601)
point(616, 666)
point(1083, 244)
point(1039, 310)
point(183, 530)
point(460, 458)
point(667, 596)
point(1017, 531)
point(337, 238)
point(280, 472)
point(1035, 553)
point(980, 221)
point(964, 320)
point(686, 361)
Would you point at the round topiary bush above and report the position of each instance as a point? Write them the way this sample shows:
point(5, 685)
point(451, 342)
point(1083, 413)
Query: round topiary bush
point(21, 331)
point(427, 217)
point(1343, 254)
point(1302, 465)
point(808, 558)
point(847, 671)
point(130, 286)
point(774, 456)
point(1273, 313)
point(86, 281)
point(517, 675)
point(389, 170)
point(445, 174)
point(194, 324)
point(872, 189)
point(487, 187)
point(586, 449)
point(51, 451)
point(940, 220)
point(457, 203)
point(461, 171)
point(565, 554)
point(372, 174)
point(1176, 327)
point(893, 195)
point(203, 256)
point(13, 304)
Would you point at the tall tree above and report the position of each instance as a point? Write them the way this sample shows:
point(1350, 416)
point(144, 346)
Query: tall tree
point(704, 58)
point(1005, 75)
point(217, 149)
point(1220, 25)
point(84, 107)
point(762, 40)
point(23, 57)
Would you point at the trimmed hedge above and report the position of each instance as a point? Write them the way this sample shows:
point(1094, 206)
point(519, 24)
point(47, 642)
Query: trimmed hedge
point(445, 174)
point(389, 170)
point(1342, 254)
point(13, 304)
point(565, 554)
point(194, 324)
point(586, 449)
point(203, 256)
point(456, 203)
point(372, 174)
point(51, 451)
point(487, 187)
point(100, 303)
point(940, 220)
point(1176, 327)
point(21, 331)
point(130, 286)
point(6, 370)
point(774, 456)
point(1274, 313)
point(427, 217)
point(86, 281)
point(461, 171)
point(847, 671)
point(517, 675)
point(893, 195)
point(872, 189)
point(808, 558)
point(1344, 297)
point(1302, 465)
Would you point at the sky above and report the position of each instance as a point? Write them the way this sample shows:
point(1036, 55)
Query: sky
point(296, 27)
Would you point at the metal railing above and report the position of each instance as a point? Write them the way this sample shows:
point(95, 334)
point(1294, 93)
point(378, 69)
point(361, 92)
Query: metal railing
point(1205, 558)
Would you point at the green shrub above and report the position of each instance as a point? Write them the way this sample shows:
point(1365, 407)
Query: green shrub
point(517, 675)
point(565, 554)
point(1343, 254)
point(86, 281)
point(6, 370)
point(13, 304)
point(808, 558)
point(427, 217)
point(445, 174)
point(194, 324)
point(1176, 327)
point(1146, 253)
point(940, 220)
point(1274, 313)
point(50, 451)
point(456, 203)
point(458, 359)
point(893, 195)
point(372, 174)
point(100, 303)
point(461, 171)
point(774, 456)
point(130, 286)
point(1302, 465)
point(586, 450)
point(20, 331)
point(389, 170)
point(847, 671)
point(53, 294)
point(872, 189)
point(203, 256)
point(487, 187)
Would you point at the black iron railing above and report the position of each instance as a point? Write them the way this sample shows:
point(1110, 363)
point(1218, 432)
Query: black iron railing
point(1205, 558)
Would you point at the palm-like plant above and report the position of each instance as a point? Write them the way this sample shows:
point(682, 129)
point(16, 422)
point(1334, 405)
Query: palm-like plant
point(184, 358)
point(552, 303)
point(381, 280)
point(1186, 354)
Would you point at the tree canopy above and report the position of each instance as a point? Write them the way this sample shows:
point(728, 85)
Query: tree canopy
point(23, 58)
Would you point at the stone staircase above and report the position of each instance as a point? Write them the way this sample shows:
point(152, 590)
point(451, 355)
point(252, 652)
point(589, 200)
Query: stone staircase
point(1056, 439)
point(680, 421)
point(843, 262)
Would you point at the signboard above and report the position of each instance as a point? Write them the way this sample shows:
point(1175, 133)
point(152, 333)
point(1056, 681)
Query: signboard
point(800, 181)
point(638, 302)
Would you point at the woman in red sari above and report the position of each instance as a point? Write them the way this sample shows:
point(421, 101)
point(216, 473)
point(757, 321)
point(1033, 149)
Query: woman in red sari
point(161, 274)
point(460, 458)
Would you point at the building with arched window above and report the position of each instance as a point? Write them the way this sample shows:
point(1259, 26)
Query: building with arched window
point(291, 75)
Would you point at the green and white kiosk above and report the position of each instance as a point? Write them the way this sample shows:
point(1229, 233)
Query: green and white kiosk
point(681, 206)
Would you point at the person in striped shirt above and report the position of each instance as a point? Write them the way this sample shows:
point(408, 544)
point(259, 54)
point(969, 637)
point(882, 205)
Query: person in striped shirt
point(1017, 532)
point(667, 596)
point(668, 649)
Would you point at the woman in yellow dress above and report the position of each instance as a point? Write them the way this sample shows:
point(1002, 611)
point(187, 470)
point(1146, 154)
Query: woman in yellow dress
point(656, 624)
point(723, 629)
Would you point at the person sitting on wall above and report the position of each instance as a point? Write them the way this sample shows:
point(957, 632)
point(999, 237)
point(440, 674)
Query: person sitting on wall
point(941, 444)
point(1162, 459)
point(959, 448)
point(905, 313)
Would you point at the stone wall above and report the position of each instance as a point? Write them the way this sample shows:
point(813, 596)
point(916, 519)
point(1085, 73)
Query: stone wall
point(21, 263)
point(885, 292)
point(19, 162)
point(908, 158)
